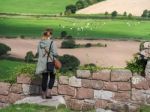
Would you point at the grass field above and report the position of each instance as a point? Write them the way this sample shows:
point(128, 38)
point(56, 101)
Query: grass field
point(38, 108)
point(7, 69)
point(78, 28)
point(33, 108)
point(34, 6)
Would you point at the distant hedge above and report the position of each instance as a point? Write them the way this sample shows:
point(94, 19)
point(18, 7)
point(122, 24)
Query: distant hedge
point(4, 49)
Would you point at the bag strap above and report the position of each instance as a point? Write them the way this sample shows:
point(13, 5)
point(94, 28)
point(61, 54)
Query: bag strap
point(49, 50)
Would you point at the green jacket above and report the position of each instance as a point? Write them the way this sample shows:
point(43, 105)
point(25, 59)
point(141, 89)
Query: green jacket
point(42, 50)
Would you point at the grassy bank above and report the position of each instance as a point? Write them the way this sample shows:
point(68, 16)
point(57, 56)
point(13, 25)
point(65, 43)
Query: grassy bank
point(34, 6)
point(78, 28)
point(33, 108)
point(8, 70)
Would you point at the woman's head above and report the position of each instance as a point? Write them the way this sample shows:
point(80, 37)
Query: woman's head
point(47, 33)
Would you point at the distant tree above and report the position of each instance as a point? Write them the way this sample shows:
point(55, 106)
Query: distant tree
point(130, 16)
point(145, 13)
point(106, 14)
point(68, 12)
point(79, 5)
point(125, 14)
point(149, 14)
point(114, 14)
point(71, 8)
point(85, 2)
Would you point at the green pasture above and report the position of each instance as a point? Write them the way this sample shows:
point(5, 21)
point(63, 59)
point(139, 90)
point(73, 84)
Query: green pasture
point(34, 6)
point(78, 28)
point(33, 108)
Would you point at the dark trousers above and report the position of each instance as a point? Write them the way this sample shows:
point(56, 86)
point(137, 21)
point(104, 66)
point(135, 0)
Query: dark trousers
point(45, 83)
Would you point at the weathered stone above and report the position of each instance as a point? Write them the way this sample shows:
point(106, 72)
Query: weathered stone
point(124, 86)
point(86, 83)
point(14, 97)
point(148, 81)
point(85, 93)
point(64, 80)
point(103, 104)
point(16, 88)
point(30, 89)
point(97, 84)
point(87, 106)
point(75, 104)
point(148, 100)
point(120, 107)
point(66, 90)
point(122, 96)
point(54, 91)
point(36, 81)
point(79, 105)
point(3, 105)
point(139, 82)
point(83, 73)
point(4, 88)
point(101, 94)
point(89, 101)
point(4, 99)
point(110, 86)
point(73, 81)
point(67, 97)
point(138, 95)
point(147, 69)
point(121, 75)
point(24, 79)
point(102, 75)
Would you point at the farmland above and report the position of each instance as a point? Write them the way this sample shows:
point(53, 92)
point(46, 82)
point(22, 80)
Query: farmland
point(34, 6)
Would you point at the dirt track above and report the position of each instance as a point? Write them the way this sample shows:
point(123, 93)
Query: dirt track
point(135, 7)
point(115, 54)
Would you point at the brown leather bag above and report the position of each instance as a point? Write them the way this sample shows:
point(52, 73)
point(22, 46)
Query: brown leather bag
point(57, 64)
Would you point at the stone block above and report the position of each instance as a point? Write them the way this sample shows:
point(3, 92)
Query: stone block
point(4, 88)
point(121, 75)
point(85, 93)
point(138, 96)
point(102, 75)
point(13, 97)
point(24, 79)
point(66, 90)
point(110, 86)
point(105, 95)
point(75, 82)
point(74, 104)
point(122, 96)
point(103, 104)
point(16, 88)
point(83, 74)
point(63, 80)
point(4, 99)
point(140, 82)
point(124, 86)
point(30, 89)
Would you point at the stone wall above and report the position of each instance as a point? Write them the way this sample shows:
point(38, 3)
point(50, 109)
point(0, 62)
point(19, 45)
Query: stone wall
point(109, 89)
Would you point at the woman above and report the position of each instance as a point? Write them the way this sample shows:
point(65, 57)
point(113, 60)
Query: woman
point(46, 53)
